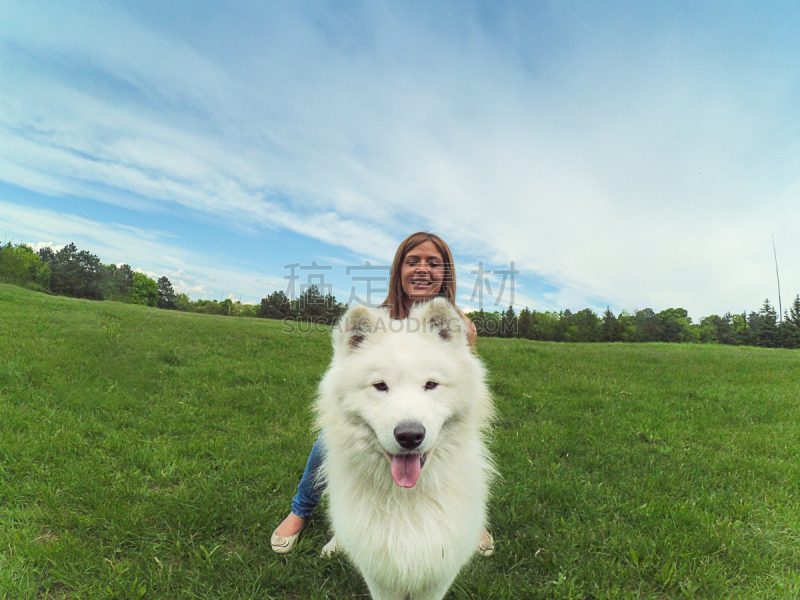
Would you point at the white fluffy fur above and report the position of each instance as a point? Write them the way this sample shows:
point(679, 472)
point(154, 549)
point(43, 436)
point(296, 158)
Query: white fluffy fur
point(409, 544)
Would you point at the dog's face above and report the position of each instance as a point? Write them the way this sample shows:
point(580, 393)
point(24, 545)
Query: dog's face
point(404, 381)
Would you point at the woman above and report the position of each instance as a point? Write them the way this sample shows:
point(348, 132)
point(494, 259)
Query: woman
point(422, 269)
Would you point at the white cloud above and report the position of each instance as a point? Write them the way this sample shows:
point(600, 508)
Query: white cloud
point(39, 245)
point(658, 185)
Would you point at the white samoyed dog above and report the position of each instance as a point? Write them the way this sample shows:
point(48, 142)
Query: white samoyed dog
point(403, 412)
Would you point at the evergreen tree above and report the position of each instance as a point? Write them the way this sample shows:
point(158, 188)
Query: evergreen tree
point(610, 327)
point(275, 306)
point(90, 284)
point(47, 254)
point(123, 281)
point(749, 334)
point(74, 272)
point(792, 325)
point(166, 294)
point(525, 324)
point(311, 305)
point(63, 270)
point(333, 309)
point(768, 334)
point(726, 332)
point(508, 323)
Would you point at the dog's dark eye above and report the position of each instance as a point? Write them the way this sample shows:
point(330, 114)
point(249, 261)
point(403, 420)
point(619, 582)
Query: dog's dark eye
point(381, 386)
point(430, 385)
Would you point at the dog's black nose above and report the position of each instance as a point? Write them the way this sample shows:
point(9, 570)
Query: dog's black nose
point(409, 435)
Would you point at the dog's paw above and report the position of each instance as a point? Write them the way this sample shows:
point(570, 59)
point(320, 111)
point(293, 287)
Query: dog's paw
point(329, 548)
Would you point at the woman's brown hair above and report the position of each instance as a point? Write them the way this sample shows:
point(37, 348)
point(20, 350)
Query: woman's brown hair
point(398, 302)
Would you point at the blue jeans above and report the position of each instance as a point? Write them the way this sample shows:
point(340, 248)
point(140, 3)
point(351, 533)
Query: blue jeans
point(309, 491)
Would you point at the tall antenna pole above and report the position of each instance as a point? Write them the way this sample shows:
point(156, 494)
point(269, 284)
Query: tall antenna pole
point(780, 305)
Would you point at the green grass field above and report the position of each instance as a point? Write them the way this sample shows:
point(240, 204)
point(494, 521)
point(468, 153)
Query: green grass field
point(150, 454)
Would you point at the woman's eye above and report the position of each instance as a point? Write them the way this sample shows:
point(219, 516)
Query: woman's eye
point(381, 386)
point(430, 385)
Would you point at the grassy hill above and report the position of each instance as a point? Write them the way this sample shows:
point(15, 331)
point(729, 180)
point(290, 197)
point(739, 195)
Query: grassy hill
point(150, 454)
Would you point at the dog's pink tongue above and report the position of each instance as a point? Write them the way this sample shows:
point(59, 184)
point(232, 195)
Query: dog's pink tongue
point(405, 469)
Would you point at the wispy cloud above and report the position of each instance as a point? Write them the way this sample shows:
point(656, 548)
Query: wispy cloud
point(631, 157)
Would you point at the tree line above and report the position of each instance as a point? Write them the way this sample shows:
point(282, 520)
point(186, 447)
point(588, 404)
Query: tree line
point(757, 328)
point(80, 274)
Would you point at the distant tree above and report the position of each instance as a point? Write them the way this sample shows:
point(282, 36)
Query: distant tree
point(717, 330)
point(275, 306)
point(91, 276)
point(648, 326)
point(525, 324)
point(206, 307)
point(123, 281)
point(750, 333)
point(508, 323)
point(183, 303)
point(476, 316)
point(43, 277)
point(741, 329)
point(63, 269)
point(768, 333)
point(585, 327)
point(792, 325)
point(20, 265)
point(563, 325)
point(46, 254)
point(726, 331)
point(627, 325)
point(117, 282)
point(707, 330)
point(243, 310)
point(610, 327)
point(546, 325)
point(333, 309)
point(166, 294)
point(311, 305)
point(676, 325)
point(487, 324)
point(145, 290)
point(74, 272)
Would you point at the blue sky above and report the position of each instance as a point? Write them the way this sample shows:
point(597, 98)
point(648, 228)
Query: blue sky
point(626, 154)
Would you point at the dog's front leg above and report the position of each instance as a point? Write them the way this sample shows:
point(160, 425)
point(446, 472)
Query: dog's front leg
point(379, 592)
point(435, 593)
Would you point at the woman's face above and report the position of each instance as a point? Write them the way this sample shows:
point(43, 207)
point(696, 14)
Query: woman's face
point(422, 273)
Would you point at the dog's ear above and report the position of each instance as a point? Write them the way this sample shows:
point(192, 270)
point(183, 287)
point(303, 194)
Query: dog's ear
point(439, 315)
point(353, 328)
